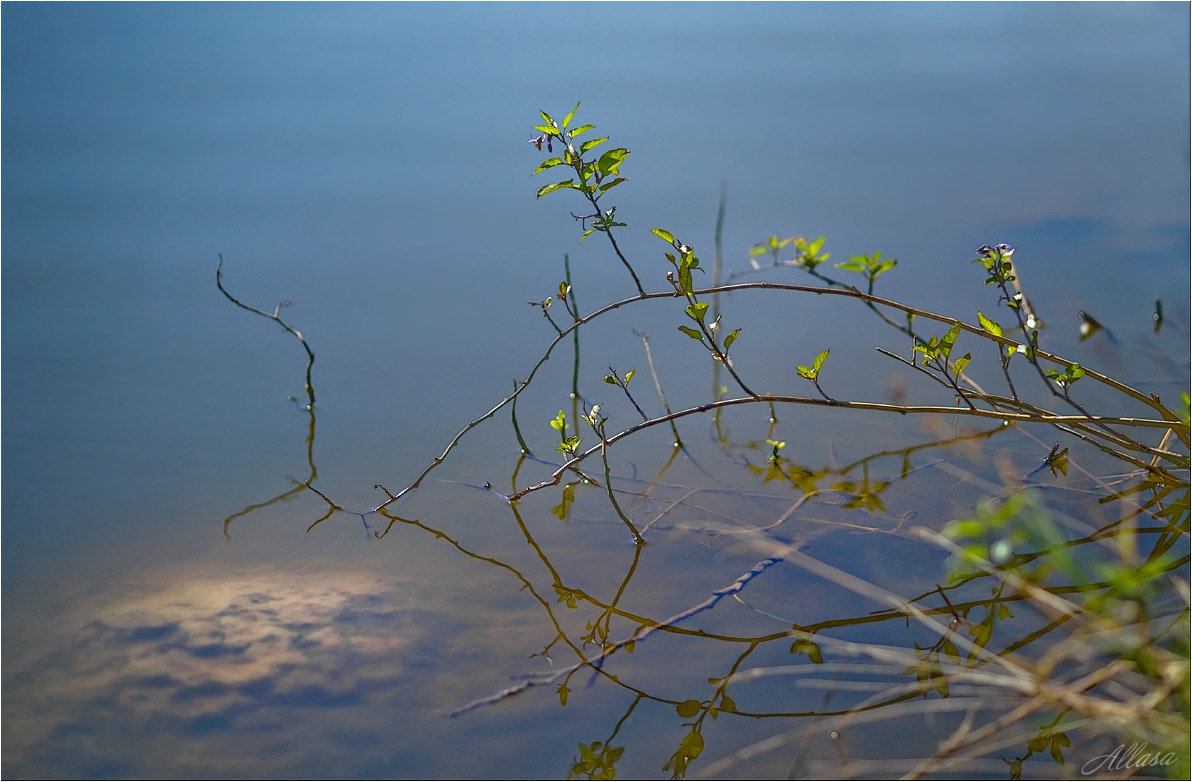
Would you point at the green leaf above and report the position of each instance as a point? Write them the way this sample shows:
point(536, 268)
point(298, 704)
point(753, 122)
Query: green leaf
point(629, 375)
point(698, 310)
point(610, 185)
point(664, 235)
point(550, 163)
point(693, 744)
point(949, 340)
point(549, 120)
point(809, 648)
point(610, 161)
point(964, 529)
point(581, 129)
point(566, 595)
point(551, 188)
point(730, 338)
point(820, 359)
point(567, 119)
point(962, 362)
point(688, 708)
point(989, 325)
point(584, 147)
point(693, 333)
point(563, 509)
point(612, 381)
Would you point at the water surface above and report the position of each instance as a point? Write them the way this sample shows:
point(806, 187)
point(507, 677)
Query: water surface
point(164, 618)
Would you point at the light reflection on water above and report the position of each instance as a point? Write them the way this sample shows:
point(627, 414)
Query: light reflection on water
point(202, 657)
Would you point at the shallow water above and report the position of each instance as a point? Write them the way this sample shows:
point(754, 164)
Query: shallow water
point(177, 605)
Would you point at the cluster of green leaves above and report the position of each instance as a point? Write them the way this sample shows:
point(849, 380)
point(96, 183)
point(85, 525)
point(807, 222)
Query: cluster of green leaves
point(929, 671)
point(771, 245)
point(812, 372)
point(680, 278)
point(568, 443)
point(868, 266)
point(1001, 529)
point(937, 352)
point(807, 253)
point(592, 177)
point(596, 761)
point(616, 380)
point(1070, 375)
point(692, 743)
point(691, 746)
point(1014, 534)
point(997, 263)
point(1018, 535)
point(1049, 739)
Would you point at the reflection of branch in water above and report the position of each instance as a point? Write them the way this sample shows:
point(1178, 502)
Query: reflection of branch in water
point(310, 405)
point(996, 681)
point(640, 635)
point(987, 671)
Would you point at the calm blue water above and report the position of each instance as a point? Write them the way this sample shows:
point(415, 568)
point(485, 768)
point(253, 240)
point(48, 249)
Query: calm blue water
point(368, 162)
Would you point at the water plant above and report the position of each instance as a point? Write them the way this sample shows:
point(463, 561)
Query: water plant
point(1048, 634)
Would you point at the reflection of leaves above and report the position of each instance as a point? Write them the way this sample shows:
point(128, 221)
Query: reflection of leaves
point(779, 468)
point(864, 494)
point(563, 509)
point(809, 648)
point(566, 595)
point(928, 671)
point(596, 761)
point(689, 749)
point(688, 708)
point(726, 704)
point(1048, 740)
point(598, 631)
